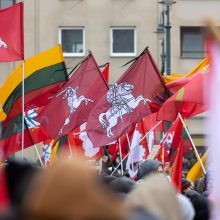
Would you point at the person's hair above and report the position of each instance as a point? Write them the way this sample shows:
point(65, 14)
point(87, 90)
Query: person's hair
point(69, 190)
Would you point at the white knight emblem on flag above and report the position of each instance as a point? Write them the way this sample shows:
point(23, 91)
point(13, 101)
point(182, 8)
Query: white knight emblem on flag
point(73, 102)
point(3, 44)
point(123, 102)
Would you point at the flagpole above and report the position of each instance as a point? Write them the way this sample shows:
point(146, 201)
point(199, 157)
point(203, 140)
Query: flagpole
point(137, 145)
point(22, 132)
point(119, 144)
point(132, 161)
point(70, 148)
point(39, 156)
point(194, 147)
point(100, 166)
point(163, 154)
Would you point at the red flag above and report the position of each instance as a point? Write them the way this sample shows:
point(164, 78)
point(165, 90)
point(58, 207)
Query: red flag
point(124, 141)
point(150, 121)
point(188, 101)
point(12, 33)
point(105, 72)
point(176, 85)
point(71, 106)
point(127, 101)
point(177, 169)
point(81, 144)
point(170, 141)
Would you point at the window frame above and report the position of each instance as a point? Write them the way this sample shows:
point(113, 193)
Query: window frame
point(13, 2)
point(181, 42)
point(112, 54)
point(83, 40)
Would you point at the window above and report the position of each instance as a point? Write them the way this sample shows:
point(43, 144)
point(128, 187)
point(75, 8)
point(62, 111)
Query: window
point(192, 42)
point(72, 41)
point(123, 41)
point(6, 3)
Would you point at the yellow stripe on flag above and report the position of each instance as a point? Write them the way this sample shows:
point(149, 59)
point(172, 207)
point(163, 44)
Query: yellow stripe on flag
point(53, 156)
point(176, 76)
point(40, 61)
point(200, 66)
point(196, 171)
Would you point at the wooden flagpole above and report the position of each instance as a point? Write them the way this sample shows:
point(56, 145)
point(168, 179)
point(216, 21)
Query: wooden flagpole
point(163, 153)
point(194, 147)
point(137, 145)
point(132, 160)
point(41, 162)
point(70, 148)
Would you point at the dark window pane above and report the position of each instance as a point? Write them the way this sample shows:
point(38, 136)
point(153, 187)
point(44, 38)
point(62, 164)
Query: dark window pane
point(6, 3)
point(192, 42)
point(123, 41)
point(72, 41)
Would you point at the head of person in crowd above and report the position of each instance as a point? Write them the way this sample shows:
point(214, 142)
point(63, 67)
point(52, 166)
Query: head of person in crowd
point(186, 167)
point(70, 190)
point(186, 185)
point(156, 196)
point(19, 176)
point(148, 167)
point(186, 206)
point(200, 204)
point(122, 185)
point(200, 185)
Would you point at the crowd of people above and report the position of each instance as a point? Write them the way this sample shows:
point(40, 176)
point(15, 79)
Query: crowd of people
point(73, 189)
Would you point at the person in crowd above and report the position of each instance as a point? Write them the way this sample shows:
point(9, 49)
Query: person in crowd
point(200, 204)
point(186, 167)
point(70, 190)
point(148, 167)
point(156, 196)
point(200, 185)
point(186, 206)
point(186, 185)
point(122, 185)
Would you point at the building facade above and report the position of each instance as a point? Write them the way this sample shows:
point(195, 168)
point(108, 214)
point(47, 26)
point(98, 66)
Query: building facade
point(116, 31)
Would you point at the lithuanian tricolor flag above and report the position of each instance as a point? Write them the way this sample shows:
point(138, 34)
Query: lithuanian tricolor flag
point(44, 74)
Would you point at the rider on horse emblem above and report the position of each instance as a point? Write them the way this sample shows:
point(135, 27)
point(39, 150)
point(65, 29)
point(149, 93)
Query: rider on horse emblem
point(118, 101)
point(122, 102)
point(73, 102)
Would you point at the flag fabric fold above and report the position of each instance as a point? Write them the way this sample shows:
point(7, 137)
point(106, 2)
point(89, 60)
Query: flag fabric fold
point(72, 104)
point(177, 169)
point(188, 101)
point(128, 101)
point(81, 144)
point(105, 72)
point(12, 33)
point(170, 142)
